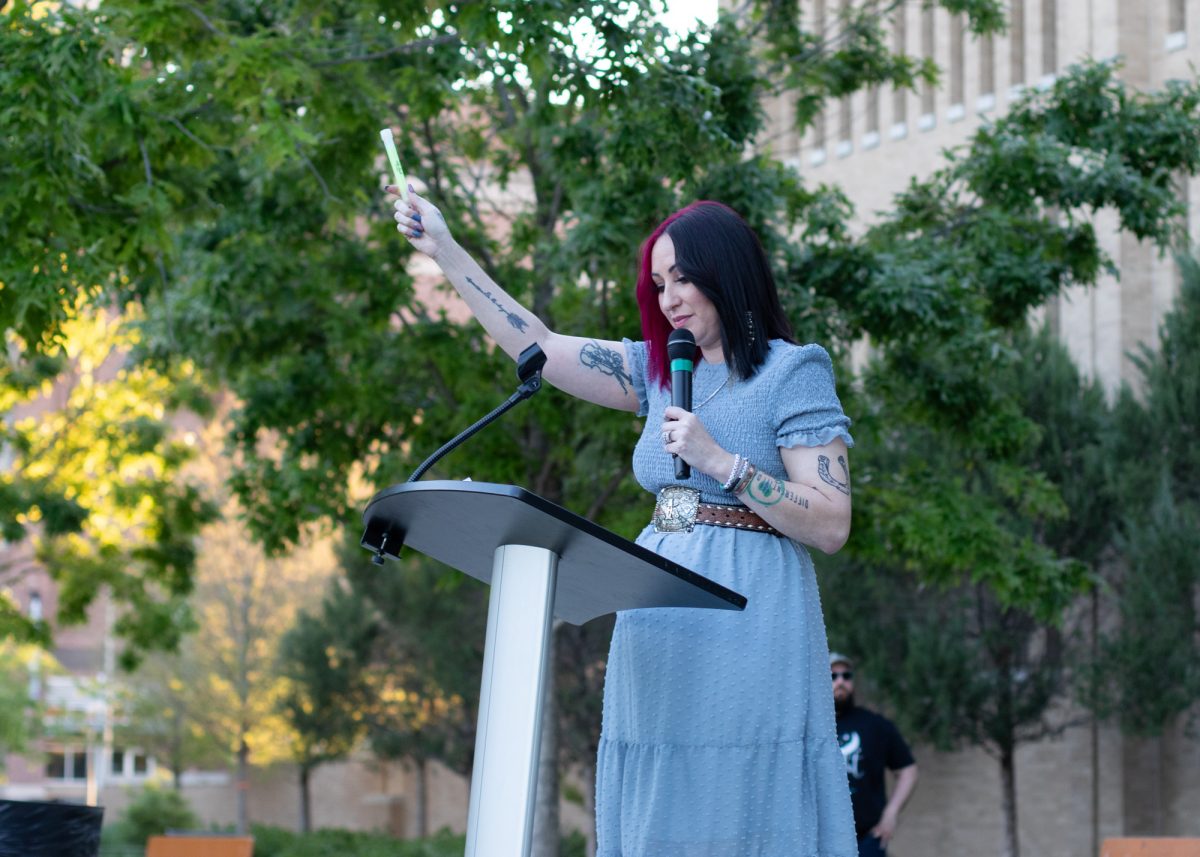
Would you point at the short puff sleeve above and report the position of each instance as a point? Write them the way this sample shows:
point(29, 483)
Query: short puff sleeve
point(806, 406)
point(638, 355)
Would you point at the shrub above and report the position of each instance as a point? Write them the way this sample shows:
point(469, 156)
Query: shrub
point(153, 812)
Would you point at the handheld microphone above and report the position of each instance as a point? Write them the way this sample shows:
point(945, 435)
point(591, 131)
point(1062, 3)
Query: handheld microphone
point(681, 350)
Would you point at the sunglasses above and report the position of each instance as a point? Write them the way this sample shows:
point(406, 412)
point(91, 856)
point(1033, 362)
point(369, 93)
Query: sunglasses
point(846, 674)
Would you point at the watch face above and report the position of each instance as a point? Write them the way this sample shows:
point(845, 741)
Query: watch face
point(676, 509)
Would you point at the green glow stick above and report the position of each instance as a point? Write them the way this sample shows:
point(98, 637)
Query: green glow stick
point(389, 144)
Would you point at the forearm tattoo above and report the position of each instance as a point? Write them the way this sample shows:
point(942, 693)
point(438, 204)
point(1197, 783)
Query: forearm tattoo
point(829, 478)
point(768, 491)
point(513, 319)
point(765, 490)
point(802, 502)
point(593, 355)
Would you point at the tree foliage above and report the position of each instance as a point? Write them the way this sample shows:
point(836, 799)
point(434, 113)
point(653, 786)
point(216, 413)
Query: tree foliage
point(1156, 465)
point(96, 479)
point(322, 659)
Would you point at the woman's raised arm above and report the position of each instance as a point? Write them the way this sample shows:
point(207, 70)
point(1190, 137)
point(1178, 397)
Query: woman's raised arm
point(595, 370)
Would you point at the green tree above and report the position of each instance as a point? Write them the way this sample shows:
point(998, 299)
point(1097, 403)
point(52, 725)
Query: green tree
point(958, 665)
point(1154, 589)
point(96, 481)
point(323, 658)
point(16, 707)
point(422, 679)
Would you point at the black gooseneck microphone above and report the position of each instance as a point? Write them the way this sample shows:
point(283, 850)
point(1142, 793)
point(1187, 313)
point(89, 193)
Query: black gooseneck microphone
point(681, 350)
point(530, 363)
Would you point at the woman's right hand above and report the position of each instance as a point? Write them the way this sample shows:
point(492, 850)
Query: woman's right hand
point(421, 223)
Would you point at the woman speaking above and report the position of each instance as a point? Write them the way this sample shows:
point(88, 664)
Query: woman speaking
point(718, 734)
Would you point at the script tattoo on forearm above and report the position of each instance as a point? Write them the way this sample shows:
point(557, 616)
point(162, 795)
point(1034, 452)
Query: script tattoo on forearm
point(513, 319)
point(593, 355)
point(802, 502)
point(829, 478)
point(765, 490)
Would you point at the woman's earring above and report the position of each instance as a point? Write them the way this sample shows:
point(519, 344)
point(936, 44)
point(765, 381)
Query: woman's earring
point(750, 324)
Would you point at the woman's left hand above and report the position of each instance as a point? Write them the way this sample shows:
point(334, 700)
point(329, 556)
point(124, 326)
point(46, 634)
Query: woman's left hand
point(684, 435)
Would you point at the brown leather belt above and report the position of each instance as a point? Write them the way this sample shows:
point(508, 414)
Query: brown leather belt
point(738, 517)
point(678, 509)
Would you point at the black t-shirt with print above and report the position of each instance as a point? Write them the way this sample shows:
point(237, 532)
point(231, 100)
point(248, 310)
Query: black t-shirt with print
point(870, 743)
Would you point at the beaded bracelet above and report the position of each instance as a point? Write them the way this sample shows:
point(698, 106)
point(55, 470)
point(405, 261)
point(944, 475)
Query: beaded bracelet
point(733, 472)
point(744, 482)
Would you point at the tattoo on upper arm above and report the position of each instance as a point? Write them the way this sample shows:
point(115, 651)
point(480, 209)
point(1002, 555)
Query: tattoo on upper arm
point(513, 319)
point(593, 355)
point(829, 478)
point(766, 490)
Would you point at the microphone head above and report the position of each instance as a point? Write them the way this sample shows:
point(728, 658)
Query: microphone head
point(681, 344)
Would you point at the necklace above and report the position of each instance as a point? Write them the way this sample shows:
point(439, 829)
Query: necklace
point(712, 395)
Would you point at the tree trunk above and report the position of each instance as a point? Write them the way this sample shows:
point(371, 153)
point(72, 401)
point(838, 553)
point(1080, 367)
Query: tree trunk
point(545, 813)
point(422, 798)
point(243, 787)
point(176, 750)
point(305, 799)
point(1008, 784)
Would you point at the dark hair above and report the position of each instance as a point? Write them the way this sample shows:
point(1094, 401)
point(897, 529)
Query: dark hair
point(720, 254)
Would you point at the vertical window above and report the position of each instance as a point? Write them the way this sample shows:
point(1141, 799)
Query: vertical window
point(845, 107)
point(141, 763)
point(957, 60)
point(819, 130)
point(1177, 16)
point(872, 116)
point(928, 47)
point(1049, 37)
point(118, 763)
point(56, 766)
point(987, 73)
point(1016, 44)
point(1176, 25)
point(900, 46)
point(66, 765)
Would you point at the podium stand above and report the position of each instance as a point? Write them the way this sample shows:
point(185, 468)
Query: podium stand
point(542, 562)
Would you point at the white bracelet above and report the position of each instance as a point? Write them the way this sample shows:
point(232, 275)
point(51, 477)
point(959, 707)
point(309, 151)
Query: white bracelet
point(736, 472)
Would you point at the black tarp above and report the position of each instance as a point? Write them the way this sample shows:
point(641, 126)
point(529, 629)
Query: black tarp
point(43, 829)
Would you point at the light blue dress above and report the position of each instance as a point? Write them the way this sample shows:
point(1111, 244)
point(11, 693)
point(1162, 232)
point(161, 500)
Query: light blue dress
point(718, 736)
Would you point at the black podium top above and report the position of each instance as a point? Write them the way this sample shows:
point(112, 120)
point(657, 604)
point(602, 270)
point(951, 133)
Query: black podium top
point(462, 524)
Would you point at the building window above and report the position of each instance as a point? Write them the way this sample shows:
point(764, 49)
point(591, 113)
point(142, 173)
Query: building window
point(1016, 44)
point(1176, 25)
point(957, 60)
point(987, 74)
point(871, 137)
point(899, 95)
point(1050, 37)
point(1177, 16)
point(928, 47)
point(66, 765)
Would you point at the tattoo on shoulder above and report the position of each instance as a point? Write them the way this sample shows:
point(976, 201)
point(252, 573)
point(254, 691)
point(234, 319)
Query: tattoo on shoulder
point(766, 490)
point(607, 361)
point(829, 478)
point(513, 319)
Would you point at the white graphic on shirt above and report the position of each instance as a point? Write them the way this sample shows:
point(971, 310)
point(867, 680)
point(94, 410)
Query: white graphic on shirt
point(851, 744)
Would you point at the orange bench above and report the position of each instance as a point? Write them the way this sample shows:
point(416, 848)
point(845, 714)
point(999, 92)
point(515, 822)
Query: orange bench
point(200, 846)
point(1150, 847)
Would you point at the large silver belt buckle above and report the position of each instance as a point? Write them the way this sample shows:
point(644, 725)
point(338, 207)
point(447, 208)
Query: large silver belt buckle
point(676, 509)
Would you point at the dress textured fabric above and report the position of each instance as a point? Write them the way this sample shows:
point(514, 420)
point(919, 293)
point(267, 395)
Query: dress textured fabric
point(718, 735)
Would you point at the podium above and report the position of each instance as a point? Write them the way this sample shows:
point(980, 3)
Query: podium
point(542, 562)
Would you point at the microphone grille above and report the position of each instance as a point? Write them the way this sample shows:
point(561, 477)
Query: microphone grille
point(681, 344)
